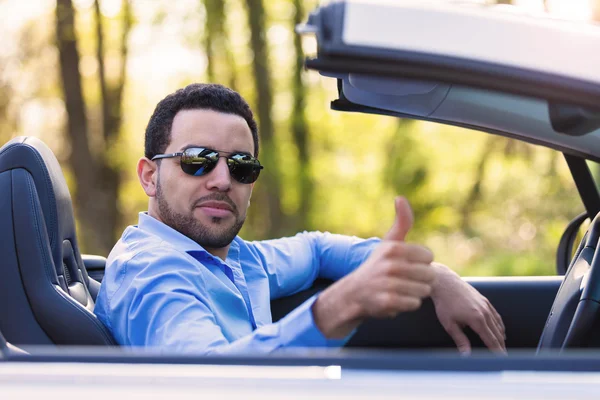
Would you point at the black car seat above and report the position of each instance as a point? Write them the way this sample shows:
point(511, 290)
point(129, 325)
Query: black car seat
point(46, 295)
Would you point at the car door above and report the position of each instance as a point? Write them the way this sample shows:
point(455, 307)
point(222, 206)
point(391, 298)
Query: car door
point(523, 302)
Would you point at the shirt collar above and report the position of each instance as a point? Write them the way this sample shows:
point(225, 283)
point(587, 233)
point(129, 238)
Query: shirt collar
point(178, 240)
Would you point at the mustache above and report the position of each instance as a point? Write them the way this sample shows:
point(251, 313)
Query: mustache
point(217, 197)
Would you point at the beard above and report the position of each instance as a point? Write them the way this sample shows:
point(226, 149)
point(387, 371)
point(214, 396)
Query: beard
point(217, 236)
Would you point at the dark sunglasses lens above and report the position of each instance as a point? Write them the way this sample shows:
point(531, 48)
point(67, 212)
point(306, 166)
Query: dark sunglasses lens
point(198, 161)
point(244, 168)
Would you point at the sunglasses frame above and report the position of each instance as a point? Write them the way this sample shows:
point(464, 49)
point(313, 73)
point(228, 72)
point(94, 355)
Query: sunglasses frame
point(231, 162)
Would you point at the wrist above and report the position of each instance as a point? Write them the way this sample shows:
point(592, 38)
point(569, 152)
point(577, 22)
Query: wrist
point(442, 275)
point(335, 312)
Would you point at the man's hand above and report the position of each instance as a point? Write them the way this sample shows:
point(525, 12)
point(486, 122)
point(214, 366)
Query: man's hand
point(458, 304)
point(395, 278)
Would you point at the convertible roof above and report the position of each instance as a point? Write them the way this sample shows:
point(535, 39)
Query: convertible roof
point(519, 75)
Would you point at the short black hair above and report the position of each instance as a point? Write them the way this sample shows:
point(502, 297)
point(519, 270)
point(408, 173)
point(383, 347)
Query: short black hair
point(208, 96)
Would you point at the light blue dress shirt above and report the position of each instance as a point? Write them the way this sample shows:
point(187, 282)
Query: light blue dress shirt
point(163, 290)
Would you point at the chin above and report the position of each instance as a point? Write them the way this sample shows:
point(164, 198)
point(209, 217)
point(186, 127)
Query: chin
point(218, 220)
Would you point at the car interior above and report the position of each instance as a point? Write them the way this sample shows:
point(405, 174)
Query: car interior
point(48, 287)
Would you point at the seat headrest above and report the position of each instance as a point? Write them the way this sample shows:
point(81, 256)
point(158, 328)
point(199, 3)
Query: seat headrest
point(35, 156)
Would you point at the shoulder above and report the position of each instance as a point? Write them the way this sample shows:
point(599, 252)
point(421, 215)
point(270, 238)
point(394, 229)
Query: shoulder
point(135, 264)
point(140, 249)
point(138, 266)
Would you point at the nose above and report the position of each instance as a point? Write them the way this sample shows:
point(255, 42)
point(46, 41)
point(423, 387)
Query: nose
point(219, 178)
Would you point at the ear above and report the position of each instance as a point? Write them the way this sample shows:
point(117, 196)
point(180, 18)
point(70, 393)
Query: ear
point(147, 171)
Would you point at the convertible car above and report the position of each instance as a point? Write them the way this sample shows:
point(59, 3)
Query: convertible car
point(526, 77)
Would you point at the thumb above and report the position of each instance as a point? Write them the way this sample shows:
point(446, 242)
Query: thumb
point(403, 221)
point(460, 339)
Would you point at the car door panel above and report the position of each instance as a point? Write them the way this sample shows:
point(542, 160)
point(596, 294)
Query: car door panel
point(523, 303)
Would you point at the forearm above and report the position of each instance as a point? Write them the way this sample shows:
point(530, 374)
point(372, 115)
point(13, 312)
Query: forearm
point(298, 329)
point(295, 330)
point(292, 264)
point(340, 254)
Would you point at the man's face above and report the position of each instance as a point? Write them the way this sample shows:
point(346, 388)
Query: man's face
point(210, 209)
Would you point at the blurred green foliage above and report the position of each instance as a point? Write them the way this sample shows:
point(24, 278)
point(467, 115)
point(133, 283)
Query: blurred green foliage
point(485, 205)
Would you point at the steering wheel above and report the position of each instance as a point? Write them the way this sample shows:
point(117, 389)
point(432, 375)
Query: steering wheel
point(575, 314)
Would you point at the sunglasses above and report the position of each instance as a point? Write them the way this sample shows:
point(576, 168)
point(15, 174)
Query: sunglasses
point(198, 161)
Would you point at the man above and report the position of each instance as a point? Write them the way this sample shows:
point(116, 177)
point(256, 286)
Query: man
point(182, 280)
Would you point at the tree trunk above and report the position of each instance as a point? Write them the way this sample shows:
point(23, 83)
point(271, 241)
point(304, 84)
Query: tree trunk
point(271, 188)
point(82, 163)
point(209, 35)
point(111, 100)
point(300, 127)
point(475, 193)
point(112, 94)
point(216, 43)
point(97, 183)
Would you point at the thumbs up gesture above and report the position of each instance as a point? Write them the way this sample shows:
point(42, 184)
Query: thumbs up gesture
point(397, 275)
point(394, 279)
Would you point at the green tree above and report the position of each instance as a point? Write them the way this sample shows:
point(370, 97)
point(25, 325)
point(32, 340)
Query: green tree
point(221, 65)
point(299, 125)
point(268, 192)
point(97, 179)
